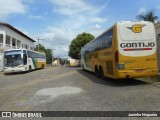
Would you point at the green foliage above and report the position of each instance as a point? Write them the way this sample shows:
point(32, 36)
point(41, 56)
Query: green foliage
point(148, 16)
point(48, 56)
point(77, 43)
point(41, 48)
point(62, 61)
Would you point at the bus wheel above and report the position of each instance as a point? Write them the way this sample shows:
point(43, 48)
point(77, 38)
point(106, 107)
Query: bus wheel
point(101, 72)
point(82, 67)
point(42, 67)
point(30, 68)
point(97, 72)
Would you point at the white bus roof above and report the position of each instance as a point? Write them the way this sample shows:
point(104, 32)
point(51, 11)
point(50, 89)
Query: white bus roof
point(25, 49)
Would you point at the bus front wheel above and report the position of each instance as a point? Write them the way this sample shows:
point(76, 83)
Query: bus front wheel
point(82, 67)
point(30, 68)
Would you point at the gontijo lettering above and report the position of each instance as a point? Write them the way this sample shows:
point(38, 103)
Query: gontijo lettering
point(137, 45)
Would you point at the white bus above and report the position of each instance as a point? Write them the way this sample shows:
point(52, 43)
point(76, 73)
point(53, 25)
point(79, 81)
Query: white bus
point(74, 62)
point(18, 60)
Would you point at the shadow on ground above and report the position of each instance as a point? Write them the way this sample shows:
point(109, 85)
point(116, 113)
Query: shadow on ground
point(112, 82)
point(19, 73)
point(15, 73)
point(22, 72)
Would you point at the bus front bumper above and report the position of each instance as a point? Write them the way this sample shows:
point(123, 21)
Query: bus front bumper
point(14, 69)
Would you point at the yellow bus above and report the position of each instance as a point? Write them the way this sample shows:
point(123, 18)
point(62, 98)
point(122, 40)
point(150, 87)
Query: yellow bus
point(19, 60)
point(126, 50)
point(74, 62)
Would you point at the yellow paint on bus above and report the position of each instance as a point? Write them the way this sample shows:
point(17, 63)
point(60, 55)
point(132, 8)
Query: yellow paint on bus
point(132, 52)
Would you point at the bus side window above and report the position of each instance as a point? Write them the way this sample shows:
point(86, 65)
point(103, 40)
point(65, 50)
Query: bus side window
point(24, 57)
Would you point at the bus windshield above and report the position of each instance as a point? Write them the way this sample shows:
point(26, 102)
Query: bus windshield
point(13, 58)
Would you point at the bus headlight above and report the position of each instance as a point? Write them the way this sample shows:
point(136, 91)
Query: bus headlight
point(20, 66)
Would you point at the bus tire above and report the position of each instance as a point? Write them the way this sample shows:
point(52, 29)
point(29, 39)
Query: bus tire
point(82, 67)
point(101, 72)
point(97, 72)
point(42, 67)
point(30, 68)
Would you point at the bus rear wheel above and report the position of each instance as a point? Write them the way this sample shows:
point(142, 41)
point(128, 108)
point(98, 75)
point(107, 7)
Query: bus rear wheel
point(42, 67)
point(101, 72)
point(97, 72)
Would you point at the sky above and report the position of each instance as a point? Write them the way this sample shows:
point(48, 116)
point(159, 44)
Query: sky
point(58, 22)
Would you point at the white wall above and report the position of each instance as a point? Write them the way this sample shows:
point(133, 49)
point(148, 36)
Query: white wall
point(17, 36)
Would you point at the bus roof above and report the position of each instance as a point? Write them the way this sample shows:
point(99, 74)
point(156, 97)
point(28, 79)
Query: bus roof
point(133, 21)
point(25, 49)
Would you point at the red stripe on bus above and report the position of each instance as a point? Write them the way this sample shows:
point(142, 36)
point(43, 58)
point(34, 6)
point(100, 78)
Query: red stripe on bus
point(147, 48)
point(131, 49)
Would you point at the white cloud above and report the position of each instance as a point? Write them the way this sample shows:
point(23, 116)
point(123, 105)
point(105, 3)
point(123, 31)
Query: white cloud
point(70, 7)
point(98, 26)
point(142, 10)
point(58, 38)
point(35, 17)
point(98, 20)
point(9, 7)
point(157, 7)
point(96, 30)
point(81, 17)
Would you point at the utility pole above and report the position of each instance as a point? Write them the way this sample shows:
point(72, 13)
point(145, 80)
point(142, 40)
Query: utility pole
point(38, 42)
point(52, 56)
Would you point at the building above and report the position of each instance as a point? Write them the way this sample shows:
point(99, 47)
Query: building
point(11, 38)
point(56, 62)
point(74, 62)
point(157, 28)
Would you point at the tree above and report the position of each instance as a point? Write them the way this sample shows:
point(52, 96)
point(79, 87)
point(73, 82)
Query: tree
point(148, 16)
point(41, 48)
point(77, 43)
point(48, 56)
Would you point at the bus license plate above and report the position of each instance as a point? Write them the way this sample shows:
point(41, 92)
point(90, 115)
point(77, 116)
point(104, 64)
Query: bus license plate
point(139, 71)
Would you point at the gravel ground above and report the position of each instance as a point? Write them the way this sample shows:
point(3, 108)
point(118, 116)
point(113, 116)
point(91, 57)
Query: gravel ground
point(72, 89)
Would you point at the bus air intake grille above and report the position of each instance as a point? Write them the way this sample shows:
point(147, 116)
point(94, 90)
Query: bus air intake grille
point(109, 66)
